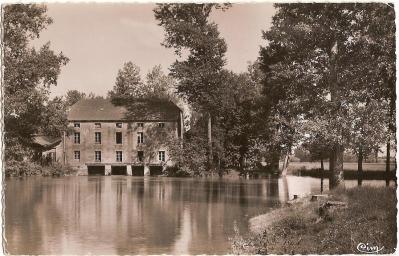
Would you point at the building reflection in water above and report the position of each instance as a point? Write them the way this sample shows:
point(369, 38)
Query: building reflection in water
point(136, 215)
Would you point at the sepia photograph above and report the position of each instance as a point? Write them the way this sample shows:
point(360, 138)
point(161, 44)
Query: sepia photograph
point(198, 128)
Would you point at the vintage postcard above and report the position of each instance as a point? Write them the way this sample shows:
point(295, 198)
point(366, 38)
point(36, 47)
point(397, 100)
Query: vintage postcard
point(198, 128)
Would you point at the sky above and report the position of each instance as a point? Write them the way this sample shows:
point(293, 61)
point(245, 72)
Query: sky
point(99, 38)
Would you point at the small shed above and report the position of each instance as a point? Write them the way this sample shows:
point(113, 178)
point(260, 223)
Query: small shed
point(49, 149)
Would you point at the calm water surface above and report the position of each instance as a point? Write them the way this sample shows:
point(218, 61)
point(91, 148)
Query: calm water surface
point(138, 215)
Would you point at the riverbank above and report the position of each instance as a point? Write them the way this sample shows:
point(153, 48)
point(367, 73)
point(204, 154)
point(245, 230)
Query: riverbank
point(27, 168)
point(364, 215)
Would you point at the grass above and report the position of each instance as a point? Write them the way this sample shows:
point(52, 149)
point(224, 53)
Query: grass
point(370, 217)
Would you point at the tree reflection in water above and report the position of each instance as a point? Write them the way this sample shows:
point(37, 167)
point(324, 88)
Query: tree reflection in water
point(137, 215)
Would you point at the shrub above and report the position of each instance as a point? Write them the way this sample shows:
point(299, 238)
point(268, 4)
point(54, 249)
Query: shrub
point(16, 168)
point(191, 157)
point(174, 171)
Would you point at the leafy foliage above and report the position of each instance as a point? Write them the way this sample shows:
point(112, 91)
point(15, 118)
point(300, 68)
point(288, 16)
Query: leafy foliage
point(325, 75)
point(54, 117)
point(73, 96)
point(28, 72)
point(128, 83)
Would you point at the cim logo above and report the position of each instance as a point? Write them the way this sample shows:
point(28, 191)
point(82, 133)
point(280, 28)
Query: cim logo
point(367, 248)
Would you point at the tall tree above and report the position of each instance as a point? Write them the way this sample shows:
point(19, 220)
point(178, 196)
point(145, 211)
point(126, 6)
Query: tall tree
point(318, 64)
point(28, 72)
point(162, 86)
point(54, 120)
point(128, 83)
point(73, 96)
point(190, 32)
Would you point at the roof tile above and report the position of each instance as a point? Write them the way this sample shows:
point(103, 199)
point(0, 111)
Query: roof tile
point(99, 109)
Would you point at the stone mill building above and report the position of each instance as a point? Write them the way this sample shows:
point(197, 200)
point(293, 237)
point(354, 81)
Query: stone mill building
point(106, 138)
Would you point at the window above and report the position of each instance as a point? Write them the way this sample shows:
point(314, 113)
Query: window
point(161, 156)
point(140, 137)
point(140, 124)
point(77, 155)
point(118, 138)
point(119, 156)
point(161, 125)
point(77, 137)
point(118, 125)
point(77, 125)
point(97, 136)
point(140, 156)
point(97, 125)
point(97, 156)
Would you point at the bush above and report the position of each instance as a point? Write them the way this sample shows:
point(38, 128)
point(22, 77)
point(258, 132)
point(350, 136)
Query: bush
point(174, 171)
point(16, 168)
point(191, 158)
point(57, 169)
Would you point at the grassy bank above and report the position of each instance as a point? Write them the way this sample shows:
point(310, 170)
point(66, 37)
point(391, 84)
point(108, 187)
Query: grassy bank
point(307, 228)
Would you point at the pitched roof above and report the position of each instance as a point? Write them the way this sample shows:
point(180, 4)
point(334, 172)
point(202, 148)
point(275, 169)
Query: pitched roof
point(99, 109)
point(46, 141)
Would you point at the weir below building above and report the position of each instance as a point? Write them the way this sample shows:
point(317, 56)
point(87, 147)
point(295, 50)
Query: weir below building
point(130, 170)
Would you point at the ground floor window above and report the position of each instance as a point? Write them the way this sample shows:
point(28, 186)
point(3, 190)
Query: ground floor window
point(161, 156)
point(97, 156)
point(77, 155)
point(119, 156)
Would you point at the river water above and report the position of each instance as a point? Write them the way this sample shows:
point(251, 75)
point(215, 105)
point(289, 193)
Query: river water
point(139, 215)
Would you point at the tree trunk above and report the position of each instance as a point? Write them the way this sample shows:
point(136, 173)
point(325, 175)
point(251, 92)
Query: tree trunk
point(360, 167)
point(337, 152)
point(322, 165)
point(274, 164)
point(210, 151)
point(388, 163)
point(285, 165)
point(336, 167)
point(242, 163)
